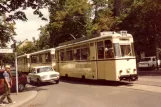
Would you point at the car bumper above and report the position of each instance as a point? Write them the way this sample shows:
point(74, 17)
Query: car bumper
point(49, 80)
point(132, 77)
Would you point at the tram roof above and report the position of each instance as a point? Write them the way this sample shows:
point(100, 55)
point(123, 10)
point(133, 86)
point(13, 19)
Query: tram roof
point(42, 51)
point(38, 52)
point(109, 34)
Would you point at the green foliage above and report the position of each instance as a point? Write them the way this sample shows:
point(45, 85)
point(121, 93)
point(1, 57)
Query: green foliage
point(6, 31)
point(13, 9)
point(28, 48)
point(7, 59)
point(68, 19)
point(143, 21)
point(44, 39)
point(103, 21)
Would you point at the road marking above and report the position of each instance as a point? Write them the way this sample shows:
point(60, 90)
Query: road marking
point(144, 87)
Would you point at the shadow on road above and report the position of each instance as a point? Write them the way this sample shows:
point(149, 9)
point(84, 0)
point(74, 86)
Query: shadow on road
point(149, 73)
point(38, 88)
point(94, 82)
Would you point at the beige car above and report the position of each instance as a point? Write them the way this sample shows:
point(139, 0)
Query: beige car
point(43, 74)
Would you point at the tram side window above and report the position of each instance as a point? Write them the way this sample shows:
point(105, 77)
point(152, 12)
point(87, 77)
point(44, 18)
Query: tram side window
point(85, 53)
point(48, 57)
point(69, 54)
point(40, 58)
point(62, 56)
point(77, 54)
point(33, 59)
point(100, 50)
point(109, 49)
point(25, 60)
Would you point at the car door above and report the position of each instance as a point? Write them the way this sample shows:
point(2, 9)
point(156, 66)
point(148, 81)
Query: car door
point(32, 74)
point(1, 82)
point(154, 62)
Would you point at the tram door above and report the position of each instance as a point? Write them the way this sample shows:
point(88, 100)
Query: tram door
point(100, 61)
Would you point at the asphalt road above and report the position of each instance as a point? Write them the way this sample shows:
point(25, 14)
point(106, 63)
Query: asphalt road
point(74, 93)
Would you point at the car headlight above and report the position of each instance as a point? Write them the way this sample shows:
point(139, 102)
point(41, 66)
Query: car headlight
point(58, 75)
point(43, 77)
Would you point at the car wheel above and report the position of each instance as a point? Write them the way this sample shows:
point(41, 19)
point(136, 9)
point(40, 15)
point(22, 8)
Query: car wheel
point(57, 81)
point(21, 87)
point(38, 82)
point(153, 67)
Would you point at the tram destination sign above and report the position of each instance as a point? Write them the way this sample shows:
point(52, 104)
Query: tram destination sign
point(6, 50)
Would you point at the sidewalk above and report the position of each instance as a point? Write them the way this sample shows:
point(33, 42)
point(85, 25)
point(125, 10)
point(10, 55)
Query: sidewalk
point(21, 98)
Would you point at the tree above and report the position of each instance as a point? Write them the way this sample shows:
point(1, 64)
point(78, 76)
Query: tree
point(142, 20)
point(6, 31)
point(28, 48)
point(69, 19)
point(12, 7)
point(12, 10)
point(103, 20)
point(44, 38)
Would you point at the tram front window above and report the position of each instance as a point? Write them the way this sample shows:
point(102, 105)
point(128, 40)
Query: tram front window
point(117, 50)
point(126, 50)
point(109, 49)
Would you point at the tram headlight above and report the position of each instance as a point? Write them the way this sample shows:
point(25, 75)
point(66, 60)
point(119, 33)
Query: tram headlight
point(120, 71)
point(134, 70)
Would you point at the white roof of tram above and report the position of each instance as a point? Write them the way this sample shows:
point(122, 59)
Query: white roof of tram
point(52, 50)
point(110, 34)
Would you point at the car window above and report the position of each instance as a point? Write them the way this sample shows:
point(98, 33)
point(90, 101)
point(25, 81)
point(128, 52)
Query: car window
point(44, 69)
point(154, 59)
point(146, 59)
point(13, 73)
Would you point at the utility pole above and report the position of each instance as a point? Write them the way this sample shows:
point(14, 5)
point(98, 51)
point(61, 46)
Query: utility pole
point(16, 68)
point(156, 53)
point(15, 50)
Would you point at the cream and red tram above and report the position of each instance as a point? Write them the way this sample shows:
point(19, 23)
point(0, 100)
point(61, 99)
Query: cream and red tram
point(108, 56)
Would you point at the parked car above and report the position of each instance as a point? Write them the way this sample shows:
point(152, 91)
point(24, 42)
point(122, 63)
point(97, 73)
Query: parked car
point(43, 74)
point(148, 62)
point(22, 81)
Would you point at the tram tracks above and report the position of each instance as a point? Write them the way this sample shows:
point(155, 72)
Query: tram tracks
point(145, 84)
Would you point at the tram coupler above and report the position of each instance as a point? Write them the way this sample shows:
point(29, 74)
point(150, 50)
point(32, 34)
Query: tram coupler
point(132, 77)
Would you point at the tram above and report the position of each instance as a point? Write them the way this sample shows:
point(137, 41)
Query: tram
point(107, 56)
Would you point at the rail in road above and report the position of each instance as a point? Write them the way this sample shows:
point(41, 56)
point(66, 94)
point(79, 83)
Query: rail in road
point(145, 84)
point(143, 87)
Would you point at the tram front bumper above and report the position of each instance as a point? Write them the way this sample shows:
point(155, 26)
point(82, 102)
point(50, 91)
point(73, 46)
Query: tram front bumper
point(132, 77)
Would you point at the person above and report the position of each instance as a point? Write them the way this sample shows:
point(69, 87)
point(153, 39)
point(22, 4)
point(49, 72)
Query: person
point(7, 86)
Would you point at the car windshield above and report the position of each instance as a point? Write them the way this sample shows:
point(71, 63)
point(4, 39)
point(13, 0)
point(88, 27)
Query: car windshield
point(146, 59)
point(44, 69)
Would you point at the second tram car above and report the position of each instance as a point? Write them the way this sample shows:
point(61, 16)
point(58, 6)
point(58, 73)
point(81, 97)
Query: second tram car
point(39, 58)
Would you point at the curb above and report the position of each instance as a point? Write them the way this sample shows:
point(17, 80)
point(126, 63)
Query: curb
point(24, 101)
